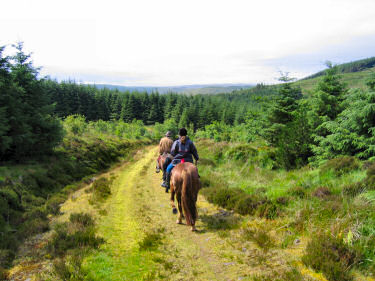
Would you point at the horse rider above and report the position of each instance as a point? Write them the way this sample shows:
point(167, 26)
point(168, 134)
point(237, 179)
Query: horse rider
point(183, 150)
point(165, 146)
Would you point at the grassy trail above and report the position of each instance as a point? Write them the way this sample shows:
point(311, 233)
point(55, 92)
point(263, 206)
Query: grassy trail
point(143, 241)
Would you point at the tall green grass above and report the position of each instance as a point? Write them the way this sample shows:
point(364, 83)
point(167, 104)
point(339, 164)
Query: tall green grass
point(337, 197)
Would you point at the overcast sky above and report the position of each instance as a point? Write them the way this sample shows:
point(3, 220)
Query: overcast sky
point(174, 42)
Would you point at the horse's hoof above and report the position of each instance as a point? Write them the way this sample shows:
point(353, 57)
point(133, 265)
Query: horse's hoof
point(174, 211)
point(193, 229)
point(178, 222)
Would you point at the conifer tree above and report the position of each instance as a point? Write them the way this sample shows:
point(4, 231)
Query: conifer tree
point(31, 130)
point(326, 104)
point(283, 110)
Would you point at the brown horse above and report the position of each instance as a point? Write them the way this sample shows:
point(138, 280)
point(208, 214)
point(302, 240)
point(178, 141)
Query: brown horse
point(161, 160)
point(185, 184)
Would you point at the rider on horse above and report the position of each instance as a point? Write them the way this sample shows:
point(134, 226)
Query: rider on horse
point(165, 146)
point(183, 150)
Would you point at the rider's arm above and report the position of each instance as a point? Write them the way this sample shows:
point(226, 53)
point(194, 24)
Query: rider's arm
point(173, 149)
point(194, 151)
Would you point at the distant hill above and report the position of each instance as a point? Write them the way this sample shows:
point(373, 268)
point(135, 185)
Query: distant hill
point(186, 89)
point(354, 74)
point(354, 66)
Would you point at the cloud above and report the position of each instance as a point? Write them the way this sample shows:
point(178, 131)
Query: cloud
point(185, 42)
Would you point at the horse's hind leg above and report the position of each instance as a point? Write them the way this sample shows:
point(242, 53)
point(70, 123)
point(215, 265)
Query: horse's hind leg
point(179, 220)
point(174, 209)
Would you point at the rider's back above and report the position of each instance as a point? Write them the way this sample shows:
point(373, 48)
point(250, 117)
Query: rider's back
point(165, 145)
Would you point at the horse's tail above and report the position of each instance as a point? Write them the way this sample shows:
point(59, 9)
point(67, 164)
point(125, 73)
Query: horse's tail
point(188, 198)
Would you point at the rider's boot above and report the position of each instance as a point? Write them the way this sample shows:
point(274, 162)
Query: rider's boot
point(164, 184)
point(167, 181)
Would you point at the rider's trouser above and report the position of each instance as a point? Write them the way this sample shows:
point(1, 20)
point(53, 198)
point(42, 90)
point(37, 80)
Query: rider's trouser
point(168, 176)
point(165, 165)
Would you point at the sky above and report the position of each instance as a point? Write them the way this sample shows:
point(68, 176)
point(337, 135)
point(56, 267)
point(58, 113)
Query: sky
point(176, 42)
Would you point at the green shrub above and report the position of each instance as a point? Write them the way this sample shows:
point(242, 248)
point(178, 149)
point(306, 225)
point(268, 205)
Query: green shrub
point(151, 240)
point(45, 183)
point(101, 188)
point(221, 221)
point(282, 200)
point(70, 267)
point(34, 213)
point(67, 236)
point(322, 192)
point(3, 274)
point(354, 189)
point(241, 152)
point(341, 165)
point(6, 257)
point(29, 199)
point(11, 197)
point(227, 197)
point(290, 275)
point(331, 256)
point(268, 210)
point(54, 203)
point(260, 237)
point(33, 226)
point(247, 204)
point(370, 177)
point(82, 219)
point(297, 191)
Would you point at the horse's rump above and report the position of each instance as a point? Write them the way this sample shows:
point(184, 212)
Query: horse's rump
point(186, 184)
point(161, 160)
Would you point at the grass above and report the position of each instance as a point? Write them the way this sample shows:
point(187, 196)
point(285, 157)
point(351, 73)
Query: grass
point(333, 197)
point(32, 191)
point(127, 255)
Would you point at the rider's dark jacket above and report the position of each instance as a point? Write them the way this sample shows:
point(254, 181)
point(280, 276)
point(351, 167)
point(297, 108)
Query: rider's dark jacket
point(184, 151)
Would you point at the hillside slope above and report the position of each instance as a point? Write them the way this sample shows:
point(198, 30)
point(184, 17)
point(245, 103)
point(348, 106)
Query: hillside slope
point(352, 79)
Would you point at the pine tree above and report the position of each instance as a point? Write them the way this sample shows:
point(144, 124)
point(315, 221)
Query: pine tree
point(326, 104)
point(31, 128)
point(128, 111)
point(184, 120)
point(283, 109)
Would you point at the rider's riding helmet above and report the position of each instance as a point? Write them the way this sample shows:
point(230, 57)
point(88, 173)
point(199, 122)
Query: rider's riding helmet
point(168, 134)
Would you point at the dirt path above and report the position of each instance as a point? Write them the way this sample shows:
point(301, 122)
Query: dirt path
point(139, 212)
point(143, 241)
